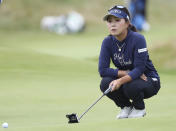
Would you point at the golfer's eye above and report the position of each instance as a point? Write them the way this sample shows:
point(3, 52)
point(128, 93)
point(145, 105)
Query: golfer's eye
point(117, 20)
point(109, 21)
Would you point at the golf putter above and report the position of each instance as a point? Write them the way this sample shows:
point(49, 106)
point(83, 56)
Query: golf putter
point(73, 118)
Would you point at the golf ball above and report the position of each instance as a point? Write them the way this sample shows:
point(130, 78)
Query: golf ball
point(5, 125)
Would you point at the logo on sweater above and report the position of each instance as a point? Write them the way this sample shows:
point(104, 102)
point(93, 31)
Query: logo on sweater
point(121, 60)
point(142, 50)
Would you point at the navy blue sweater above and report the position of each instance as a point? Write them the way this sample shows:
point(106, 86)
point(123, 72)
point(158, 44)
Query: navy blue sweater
point(133, 57)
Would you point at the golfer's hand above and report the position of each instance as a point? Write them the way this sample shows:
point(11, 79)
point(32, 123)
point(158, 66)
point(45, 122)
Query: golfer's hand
point(143, 77)
point(115, 84)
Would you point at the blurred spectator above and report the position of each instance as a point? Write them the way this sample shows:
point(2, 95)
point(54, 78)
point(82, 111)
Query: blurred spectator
point(138, 12)
point(64, 24)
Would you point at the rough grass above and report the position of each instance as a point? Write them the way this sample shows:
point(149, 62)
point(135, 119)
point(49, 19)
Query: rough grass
point(26, 14)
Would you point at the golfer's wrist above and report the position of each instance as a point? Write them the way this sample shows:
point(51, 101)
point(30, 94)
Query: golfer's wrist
point(122, 73)
point(124, 79)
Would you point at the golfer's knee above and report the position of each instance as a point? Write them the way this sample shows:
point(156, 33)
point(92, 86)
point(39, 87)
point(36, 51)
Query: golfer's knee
point(105, 83)
point(130, 90)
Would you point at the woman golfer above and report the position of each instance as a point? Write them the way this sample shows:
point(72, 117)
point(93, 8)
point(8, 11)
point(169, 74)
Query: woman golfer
point(134, 78)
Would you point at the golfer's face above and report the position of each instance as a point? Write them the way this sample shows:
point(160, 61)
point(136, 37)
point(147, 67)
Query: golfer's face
point(116, 25)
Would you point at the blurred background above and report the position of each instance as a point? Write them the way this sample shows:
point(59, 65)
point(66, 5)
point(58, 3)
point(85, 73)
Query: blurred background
point(45, 74)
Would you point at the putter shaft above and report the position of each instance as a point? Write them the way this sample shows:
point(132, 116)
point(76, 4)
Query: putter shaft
point(106, 92)
point(90, 107)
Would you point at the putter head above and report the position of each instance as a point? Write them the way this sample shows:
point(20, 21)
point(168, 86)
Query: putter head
point(72, 118)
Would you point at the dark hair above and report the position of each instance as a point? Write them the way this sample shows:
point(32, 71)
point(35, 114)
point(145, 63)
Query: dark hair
point(124, 9)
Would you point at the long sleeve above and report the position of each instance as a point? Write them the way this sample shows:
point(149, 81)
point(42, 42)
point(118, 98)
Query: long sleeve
point(104, 61)
point(140, 58)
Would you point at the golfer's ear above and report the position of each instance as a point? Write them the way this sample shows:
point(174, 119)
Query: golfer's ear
point(128, 22)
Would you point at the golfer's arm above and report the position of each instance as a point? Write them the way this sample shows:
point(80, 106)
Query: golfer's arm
point(125, 79)
point(122, 73)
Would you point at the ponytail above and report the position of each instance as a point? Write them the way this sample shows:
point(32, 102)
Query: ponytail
point(132, 27)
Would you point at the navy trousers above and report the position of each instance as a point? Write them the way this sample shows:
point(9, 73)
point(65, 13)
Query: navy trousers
point(132, 93)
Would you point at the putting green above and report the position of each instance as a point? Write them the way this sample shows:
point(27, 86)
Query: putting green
point(39, 87)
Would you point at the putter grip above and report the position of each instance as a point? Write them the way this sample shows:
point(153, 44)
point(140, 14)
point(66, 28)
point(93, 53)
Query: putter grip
point(108, 90)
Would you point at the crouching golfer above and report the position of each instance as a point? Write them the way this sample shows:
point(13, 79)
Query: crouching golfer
point(135, 77)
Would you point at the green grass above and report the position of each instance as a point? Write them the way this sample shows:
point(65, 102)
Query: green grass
point(44, 76)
